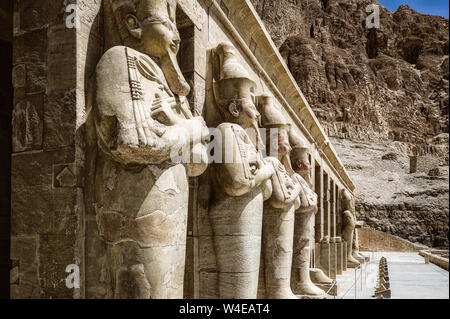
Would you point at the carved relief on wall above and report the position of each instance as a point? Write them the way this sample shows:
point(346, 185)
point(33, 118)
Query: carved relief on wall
point(27, 117)
point(27, 122)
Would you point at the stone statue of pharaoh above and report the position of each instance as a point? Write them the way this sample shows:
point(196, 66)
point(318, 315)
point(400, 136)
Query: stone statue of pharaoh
point(142, 121)
point(348, 227)
point(279, 209)
point(356, 254)
point(236, 209)
point(302, 284)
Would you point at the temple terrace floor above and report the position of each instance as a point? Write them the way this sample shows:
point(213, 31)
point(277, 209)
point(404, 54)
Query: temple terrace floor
point(410, 278)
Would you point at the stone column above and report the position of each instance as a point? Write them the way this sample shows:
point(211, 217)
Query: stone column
point(316, 255)
point(333, 260)
point(324, 255)
point(344, 254)
point(333, 220)
point(340, 257)
point(327, 206)
point(338, 213)
point(313, 183)
point(313, 172)
point(319, 230)
point(192, 59)
point(332, 227)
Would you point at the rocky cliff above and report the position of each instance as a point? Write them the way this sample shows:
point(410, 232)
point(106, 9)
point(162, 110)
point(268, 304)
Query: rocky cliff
point(376, 91)
point(389, 198)
point(387, 85)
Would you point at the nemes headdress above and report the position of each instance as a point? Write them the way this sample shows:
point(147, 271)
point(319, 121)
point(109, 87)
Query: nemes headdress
point(232, 81)
point(347, 199)
point(271, 115)
point(297, 141)
point(143, 9)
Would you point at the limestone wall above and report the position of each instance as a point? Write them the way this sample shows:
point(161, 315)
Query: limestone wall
point(437, 257)
point(5, 143)
point(425, 223)
point(46, 195)
point(374, 240)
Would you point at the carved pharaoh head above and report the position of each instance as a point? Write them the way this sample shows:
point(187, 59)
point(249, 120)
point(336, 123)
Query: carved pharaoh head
point(150, 27)
point(299, 155)
point(233, 88)
point(277, 137)
point(346, 200)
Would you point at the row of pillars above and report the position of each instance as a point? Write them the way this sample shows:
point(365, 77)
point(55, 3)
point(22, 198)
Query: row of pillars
point(327, 220)
point(330, 250)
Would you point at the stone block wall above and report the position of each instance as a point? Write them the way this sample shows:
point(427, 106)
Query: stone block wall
point(46, 191)
point(374, 240)
point(422, 164)
point(6, 96)
point(425, 223)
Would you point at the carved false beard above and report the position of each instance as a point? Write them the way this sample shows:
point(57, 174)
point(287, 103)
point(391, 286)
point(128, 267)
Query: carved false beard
point(259, 143)
point(174, 77)
point(286, 161)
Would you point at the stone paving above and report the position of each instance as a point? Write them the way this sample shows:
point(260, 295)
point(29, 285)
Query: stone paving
point(410, 278)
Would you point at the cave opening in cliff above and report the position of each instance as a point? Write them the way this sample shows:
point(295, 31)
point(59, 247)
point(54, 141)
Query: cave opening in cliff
point(6, 102)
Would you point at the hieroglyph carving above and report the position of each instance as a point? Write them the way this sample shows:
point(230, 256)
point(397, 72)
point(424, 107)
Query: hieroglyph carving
point(27, 123)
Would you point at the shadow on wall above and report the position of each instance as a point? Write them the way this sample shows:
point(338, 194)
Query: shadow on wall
point(5, 164)
point(6, 106)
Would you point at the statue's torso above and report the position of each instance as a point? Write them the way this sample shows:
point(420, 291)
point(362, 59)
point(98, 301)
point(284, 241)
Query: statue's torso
point(308, 197)
point(239, 150)
point(283, 182)
point(140, 201)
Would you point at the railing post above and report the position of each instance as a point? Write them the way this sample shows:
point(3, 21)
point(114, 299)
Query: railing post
point(361, 278)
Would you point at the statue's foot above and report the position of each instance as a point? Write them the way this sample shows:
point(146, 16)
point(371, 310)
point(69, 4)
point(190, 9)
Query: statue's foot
point(319, 277)
point(352, 262)
point(364, 257)
point(306, 290)
point(282, 294)
point(359, 258)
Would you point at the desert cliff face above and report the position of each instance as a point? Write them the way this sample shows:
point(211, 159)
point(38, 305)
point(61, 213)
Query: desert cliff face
point(413, 206)
point(387, 86)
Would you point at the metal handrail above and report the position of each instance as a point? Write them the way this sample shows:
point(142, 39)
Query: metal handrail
point(355, 282)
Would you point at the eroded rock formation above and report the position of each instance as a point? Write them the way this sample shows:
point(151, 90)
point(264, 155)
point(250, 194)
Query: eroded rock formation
point(387, 90)
point(388, 84)
point(411, 206)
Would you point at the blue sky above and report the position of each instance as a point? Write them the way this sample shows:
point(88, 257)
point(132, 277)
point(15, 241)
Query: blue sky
point(435, 7)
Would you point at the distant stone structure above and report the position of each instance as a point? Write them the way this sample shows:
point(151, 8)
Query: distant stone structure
point(423, 164)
